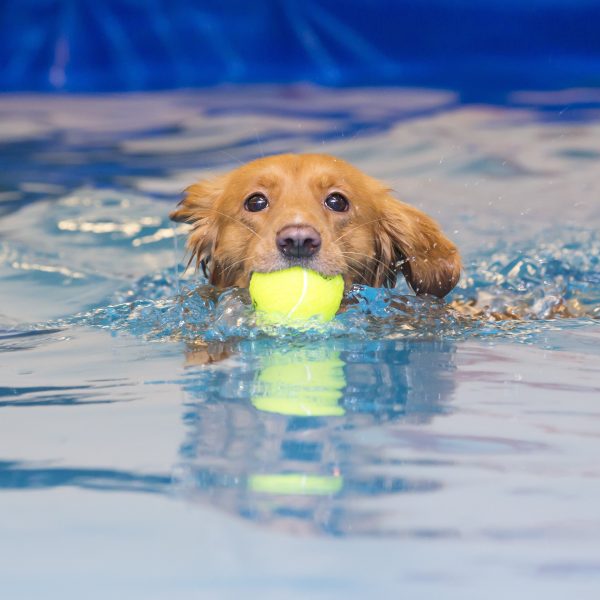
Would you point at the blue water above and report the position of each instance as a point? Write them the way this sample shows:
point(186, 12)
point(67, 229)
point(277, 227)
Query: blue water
point(156, 443)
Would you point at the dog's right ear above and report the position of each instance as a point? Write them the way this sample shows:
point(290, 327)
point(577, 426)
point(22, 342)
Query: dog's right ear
point(197, 209)
point(198, 200)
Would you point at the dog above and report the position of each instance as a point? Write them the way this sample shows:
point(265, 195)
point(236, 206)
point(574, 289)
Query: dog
point(318, 212)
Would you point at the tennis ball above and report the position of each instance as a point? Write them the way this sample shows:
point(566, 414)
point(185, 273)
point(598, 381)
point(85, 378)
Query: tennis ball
point(296, 294)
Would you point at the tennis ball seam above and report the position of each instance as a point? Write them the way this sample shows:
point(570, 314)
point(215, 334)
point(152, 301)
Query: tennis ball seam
point(302, 295)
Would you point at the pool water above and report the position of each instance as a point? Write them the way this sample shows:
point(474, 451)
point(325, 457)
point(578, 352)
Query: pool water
point(156, 443)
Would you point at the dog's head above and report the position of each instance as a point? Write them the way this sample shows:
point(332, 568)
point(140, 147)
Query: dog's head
point(318, 212)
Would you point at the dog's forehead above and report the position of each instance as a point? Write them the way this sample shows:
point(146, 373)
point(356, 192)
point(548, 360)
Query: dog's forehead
point(308, 171)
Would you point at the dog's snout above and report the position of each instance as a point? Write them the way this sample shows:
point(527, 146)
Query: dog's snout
point(298, 241)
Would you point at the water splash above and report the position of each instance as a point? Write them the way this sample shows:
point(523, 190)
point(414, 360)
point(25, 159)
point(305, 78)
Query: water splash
point(514, 292)
point(557, 275)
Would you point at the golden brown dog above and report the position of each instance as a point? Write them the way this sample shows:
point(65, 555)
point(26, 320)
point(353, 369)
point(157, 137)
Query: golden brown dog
point(319, 212)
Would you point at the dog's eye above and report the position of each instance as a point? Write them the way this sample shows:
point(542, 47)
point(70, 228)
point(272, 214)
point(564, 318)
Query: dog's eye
point(256, 203)
point(337, 202)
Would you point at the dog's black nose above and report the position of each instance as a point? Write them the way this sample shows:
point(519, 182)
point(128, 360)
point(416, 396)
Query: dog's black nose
point(298, 241)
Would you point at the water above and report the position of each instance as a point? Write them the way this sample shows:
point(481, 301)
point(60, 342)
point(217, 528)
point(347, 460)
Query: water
point(154, 442)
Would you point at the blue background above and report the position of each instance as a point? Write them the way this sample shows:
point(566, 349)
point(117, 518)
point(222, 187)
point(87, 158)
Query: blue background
point(478, 48)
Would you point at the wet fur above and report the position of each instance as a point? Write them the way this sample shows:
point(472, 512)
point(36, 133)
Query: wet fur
point(378, 238)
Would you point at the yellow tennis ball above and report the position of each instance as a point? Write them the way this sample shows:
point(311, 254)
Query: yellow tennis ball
point(296, 294)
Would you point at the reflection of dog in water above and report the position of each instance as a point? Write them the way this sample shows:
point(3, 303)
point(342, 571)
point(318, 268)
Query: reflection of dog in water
point(277, 438)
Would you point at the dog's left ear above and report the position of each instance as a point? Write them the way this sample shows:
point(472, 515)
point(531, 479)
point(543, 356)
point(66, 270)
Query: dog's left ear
point(411, 242)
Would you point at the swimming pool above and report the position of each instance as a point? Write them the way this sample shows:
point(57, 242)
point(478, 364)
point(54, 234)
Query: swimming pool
point(402, 449)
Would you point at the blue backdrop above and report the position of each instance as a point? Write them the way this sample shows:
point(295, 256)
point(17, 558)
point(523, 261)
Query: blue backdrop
point(480, 48)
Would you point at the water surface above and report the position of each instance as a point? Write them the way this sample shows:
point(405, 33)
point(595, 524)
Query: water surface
point(155, 443)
